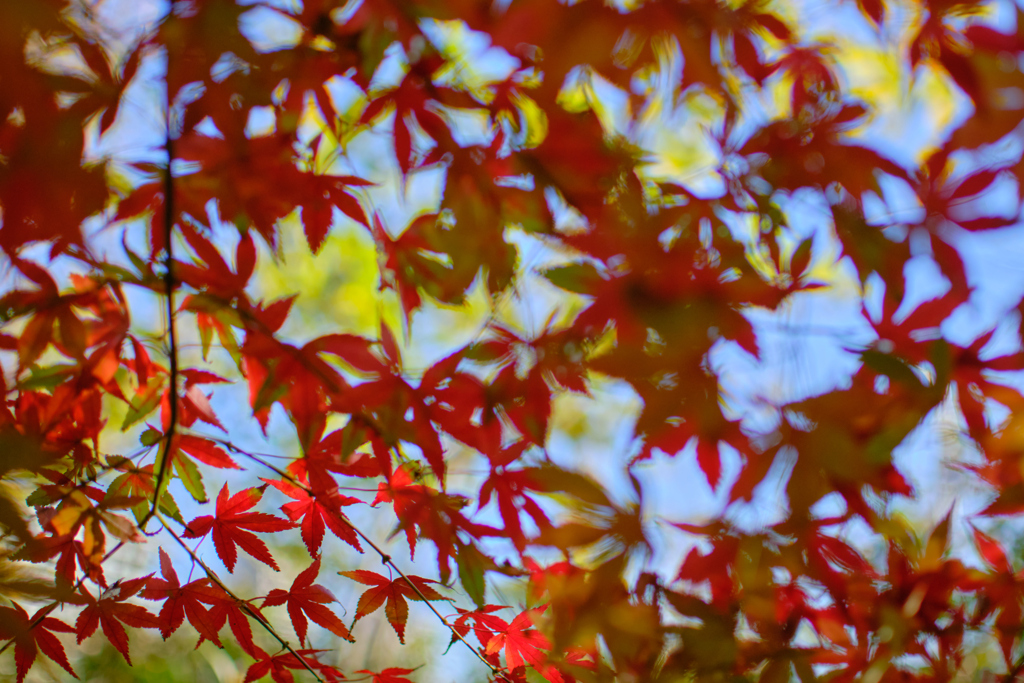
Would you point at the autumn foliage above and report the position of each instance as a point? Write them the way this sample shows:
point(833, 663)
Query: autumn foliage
point(682, 170)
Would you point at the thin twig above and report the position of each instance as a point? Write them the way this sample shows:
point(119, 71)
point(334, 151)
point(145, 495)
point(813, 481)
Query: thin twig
point(242, 603)
point(172, 338)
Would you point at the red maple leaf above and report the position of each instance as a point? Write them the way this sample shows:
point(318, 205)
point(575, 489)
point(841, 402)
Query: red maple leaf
point(206, 451)
point(390, 675)
point(394, 593)
point(399, 411)
point(279, 667)
point(66, 549)
point(335, 453)
point(181, 602)
point(523, 644)
point(510, 488)
point(992, 552)
point(230, 523)
point(318, 513)
point(236, 613)
point(484, 623)
point(251, 176)
point(30, 637)
point(435, 515)
point(307, 599)
point(111, 611)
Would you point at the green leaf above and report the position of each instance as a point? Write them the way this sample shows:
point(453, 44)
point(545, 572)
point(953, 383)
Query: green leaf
point(485, 352)
point(144, 404)
point(190, 477)
point(228, 341)
point(777, 671)
point(11, 521)
point(801, 258)
point(269, 393)
point(39, 498)
point(170, 508)
point(938, 542)
point(804, 670)
point(137, 261)
point(150, 437)
point(942, 360)
point(579, 278)
point(205, 338)
point(471, 573)
point(22, 452)
point(552, 479)
point(893, 367)
point(46, 378)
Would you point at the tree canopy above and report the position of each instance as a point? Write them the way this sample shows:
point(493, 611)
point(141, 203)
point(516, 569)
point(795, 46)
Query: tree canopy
point(645, 340)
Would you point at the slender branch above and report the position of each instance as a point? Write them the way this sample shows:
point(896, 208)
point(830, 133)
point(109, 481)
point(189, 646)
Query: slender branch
point(242, 603)
point(172, 337)
point(384, 557)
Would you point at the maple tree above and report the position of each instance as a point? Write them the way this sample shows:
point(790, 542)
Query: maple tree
point(638, 193)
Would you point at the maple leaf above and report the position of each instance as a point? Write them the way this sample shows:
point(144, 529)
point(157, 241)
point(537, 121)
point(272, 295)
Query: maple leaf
point(510, 488)
point(77, 511)
point(181, 602)
point(205, 451)
point(435, 515)
point(112, 613)
point(992, 552)
point(713, 566)
point(393, 595)
point(399, 411)
point(318, 513)
point(308, 599)
point(389, 675)
point(232, 524)
point(484, 623)
point(522, 644)
point(336, 453)
point(66, 549)
point(32, 635)
point(280, 667)
point(411, 99)
point(137, 483)
point(236, 614)
point(258, 168)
